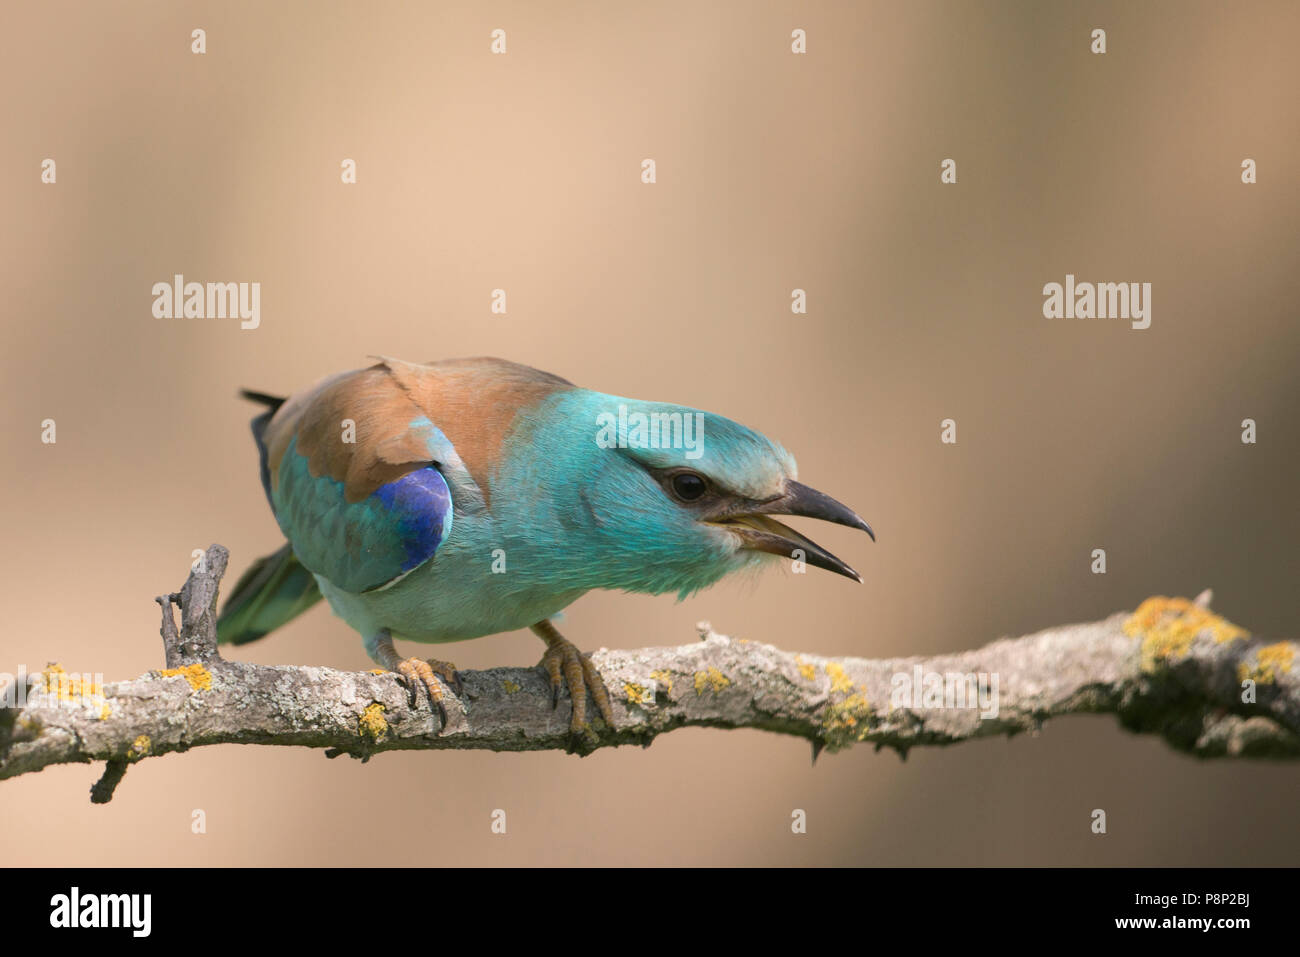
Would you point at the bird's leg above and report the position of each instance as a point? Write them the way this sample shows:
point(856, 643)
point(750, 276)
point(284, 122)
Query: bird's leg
point(564, 662)
point(416, 672)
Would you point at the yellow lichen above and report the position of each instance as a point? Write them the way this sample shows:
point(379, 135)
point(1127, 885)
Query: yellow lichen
point(510, 686)
point(379, 671)
point(637, 694)
point(809, 671)
point(1277, 658)
point(140, 747)
point(52, 675)
point(665, 678)
point(55, 680)
point(710, 680)
point(1168, 626)
point(1273, 660)
point(847, 721)
point(839, 680)
point(72, 688)
point(200, 678)
point(372, 725)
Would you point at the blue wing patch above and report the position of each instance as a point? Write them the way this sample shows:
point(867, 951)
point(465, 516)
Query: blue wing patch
point(421, 504)
point(362, 545)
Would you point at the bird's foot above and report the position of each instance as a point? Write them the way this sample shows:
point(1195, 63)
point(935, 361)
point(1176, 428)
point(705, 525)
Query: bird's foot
point(431, 675)
point(435, 677)
point(565, 665)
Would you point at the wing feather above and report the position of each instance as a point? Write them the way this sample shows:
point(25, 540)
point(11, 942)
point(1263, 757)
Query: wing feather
point(366, 466)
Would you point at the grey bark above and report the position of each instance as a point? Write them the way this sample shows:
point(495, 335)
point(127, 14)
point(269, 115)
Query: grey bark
point(1195, 692)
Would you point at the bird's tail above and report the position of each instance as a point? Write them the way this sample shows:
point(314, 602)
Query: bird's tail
point(275, 590)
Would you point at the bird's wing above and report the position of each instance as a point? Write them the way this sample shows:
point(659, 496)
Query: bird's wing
point(366, 466)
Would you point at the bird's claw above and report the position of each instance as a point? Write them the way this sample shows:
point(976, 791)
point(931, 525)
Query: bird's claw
point(566, 666)
point(431, 675)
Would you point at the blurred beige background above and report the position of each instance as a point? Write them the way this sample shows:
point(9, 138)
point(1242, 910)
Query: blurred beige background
point(775, 171)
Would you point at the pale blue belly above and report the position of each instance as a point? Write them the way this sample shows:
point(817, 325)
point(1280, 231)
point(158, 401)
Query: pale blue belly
point(448, 599)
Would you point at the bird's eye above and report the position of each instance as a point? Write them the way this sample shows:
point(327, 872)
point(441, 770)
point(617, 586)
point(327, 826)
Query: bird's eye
point(688, 486)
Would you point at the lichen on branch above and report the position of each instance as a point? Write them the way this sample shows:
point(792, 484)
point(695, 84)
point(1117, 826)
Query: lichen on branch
point(1173, 668)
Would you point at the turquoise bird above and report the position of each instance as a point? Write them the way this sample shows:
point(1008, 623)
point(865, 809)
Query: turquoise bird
point(443, 501)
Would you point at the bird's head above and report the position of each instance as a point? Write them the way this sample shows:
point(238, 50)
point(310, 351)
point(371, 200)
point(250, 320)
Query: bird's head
point(669, 498)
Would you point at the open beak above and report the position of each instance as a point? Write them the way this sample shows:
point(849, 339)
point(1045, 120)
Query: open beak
point(762, 533)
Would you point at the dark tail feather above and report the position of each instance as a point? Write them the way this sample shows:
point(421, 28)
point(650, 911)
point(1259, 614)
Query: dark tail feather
point(259, 424)
point(274, 591)
point(272, 402)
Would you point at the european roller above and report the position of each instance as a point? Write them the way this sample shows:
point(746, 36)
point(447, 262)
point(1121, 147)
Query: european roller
point(449, 500)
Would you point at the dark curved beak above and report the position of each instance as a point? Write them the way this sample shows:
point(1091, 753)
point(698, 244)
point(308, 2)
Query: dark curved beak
point(765, 534)
point(807, 502)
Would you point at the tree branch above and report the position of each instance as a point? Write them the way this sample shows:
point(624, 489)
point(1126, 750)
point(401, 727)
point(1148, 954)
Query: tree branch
point(1172, 668)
